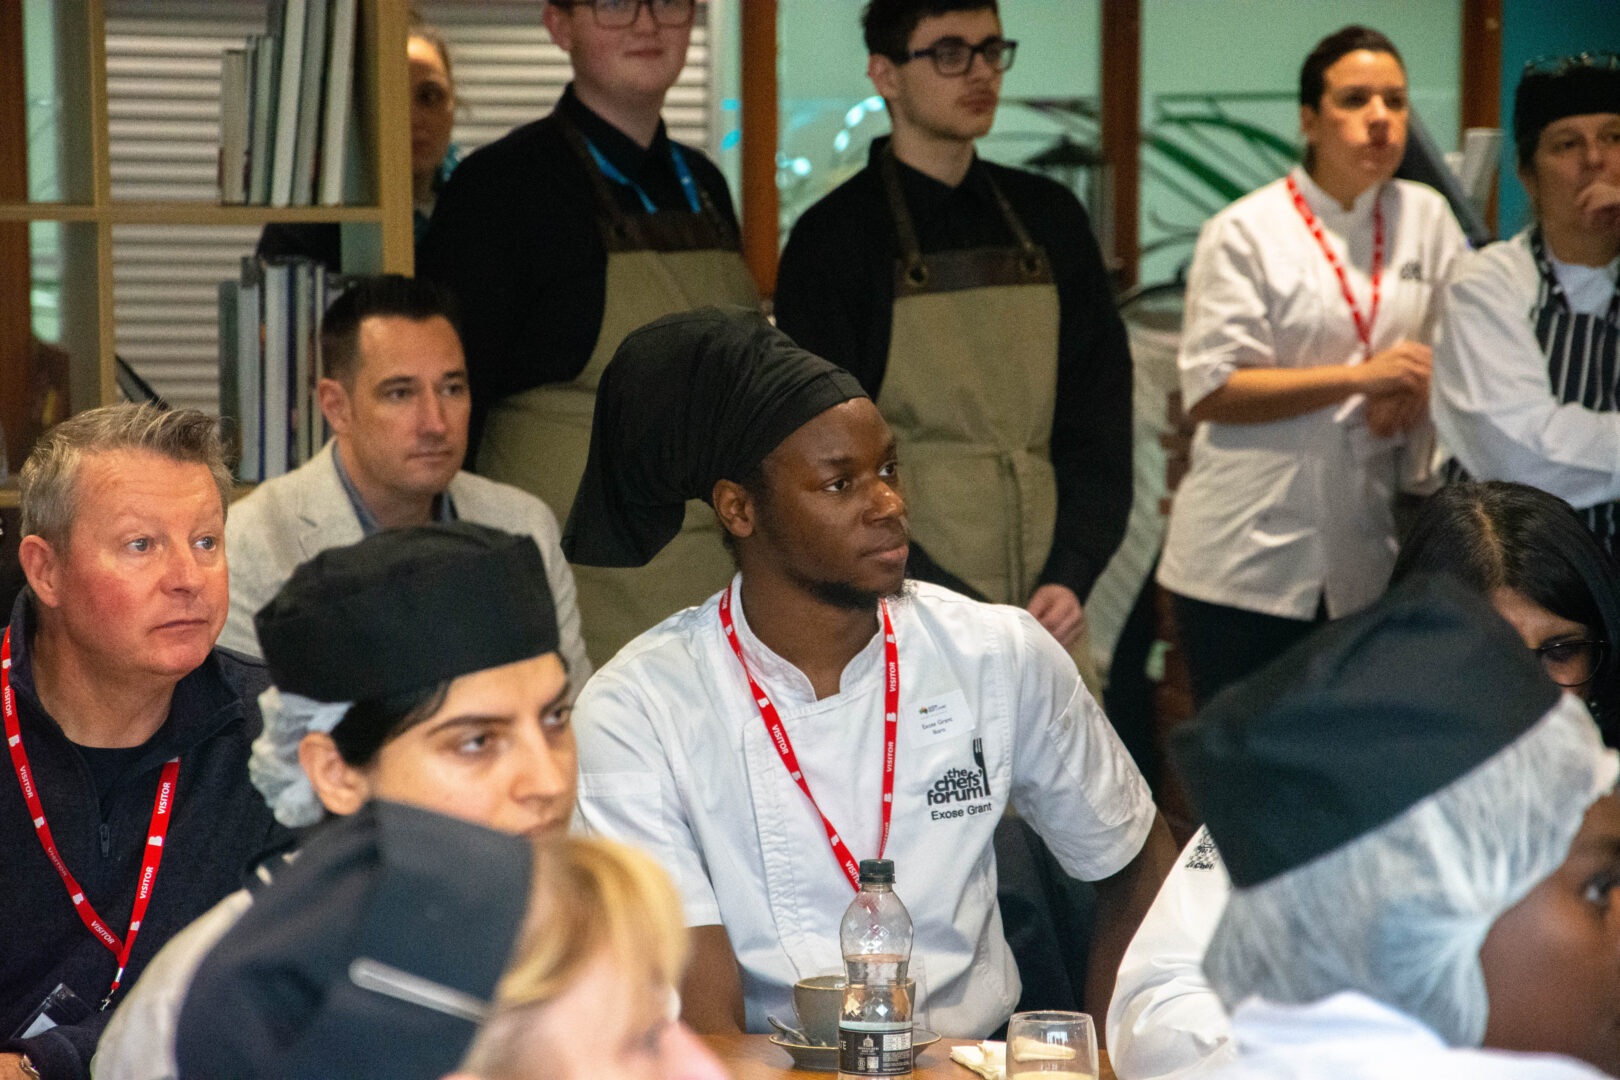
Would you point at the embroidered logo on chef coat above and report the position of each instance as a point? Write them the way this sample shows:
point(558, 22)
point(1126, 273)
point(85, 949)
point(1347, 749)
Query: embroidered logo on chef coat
point(1412, 271)
point(960, 785)
point(1204, 855)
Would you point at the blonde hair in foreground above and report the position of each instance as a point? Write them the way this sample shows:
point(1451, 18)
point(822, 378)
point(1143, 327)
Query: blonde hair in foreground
point(591, 897)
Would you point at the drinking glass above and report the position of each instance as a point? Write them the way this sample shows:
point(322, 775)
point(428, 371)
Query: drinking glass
point(1052, 1045)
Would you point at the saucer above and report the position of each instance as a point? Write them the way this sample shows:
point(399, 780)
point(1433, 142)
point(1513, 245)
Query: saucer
point(825, 1058)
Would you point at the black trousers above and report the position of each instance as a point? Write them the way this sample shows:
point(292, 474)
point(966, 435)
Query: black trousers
point(1223, 644)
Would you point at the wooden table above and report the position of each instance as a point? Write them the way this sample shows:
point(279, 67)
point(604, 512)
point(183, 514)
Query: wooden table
point(752, 1057)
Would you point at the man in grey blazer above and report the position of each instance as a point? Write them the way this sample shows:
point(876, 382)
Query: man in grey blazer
point(396, 398)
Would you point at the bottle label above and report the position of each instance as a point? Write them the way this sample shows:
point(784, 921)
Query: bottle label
point(874, 1048)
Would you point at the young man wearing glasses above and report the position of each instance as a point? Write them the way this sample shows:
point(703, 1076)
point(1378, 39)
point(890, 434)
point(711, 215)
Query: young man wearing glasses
point(969, 299)
point(561, 238)
point(1527, 356)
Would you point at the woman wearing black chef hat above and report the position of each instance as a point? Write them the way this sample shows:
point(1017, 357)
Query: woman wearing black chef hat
point(1527, 361)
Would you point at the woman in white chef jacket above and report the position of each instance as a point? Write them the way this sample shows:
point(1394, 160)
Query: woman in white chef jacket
point(1304, 360)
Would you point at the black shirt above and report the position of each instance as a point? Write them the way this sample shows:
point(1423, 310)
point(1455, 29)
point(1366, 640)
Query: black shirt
point(835, 294)
point(108, 764)
point(515, 235)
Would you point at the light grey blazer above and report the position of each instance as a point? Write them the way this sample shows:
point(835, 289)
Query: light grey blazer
point(288, 520)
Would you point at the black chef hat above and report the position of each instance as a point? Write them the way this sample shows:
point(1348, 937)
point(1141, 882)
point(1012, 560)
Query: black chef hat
point(1351, 727)
point(405, 609)
point(1545, 97)
point(374, 953)
point(687, 401)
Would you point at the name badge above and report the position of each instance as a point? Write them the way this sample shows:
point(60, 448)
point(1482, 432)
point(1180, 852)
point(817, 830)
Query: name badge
point(943, 717)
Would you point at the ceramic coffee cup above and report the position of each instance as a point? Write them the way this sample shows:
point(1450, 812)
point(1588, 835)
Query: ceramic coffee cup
point(819, 999)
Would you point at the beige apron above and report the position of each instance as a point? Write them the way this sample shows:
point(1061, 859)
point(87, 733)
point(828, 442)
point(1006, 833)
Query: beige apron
point(657, 265)
point(970, 390)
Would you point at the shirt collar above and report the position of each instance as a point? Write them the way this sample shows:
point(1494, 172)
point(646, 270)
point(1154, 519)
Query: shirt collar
point(443, 509)
point(1327, 207)
point(1259, 1024)
point(623, 152)
point(924, 193)
point(789, 686)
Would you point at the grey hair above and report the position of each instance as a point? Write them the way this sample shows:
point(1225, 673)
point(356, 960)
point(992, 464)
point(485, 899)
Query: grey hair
point(49, 478)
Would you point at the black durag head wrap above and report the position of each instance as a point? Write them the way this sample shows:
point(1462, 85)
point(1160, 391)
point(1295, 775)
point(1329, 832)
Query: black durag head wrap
point(687, 401)
point(1545, 97)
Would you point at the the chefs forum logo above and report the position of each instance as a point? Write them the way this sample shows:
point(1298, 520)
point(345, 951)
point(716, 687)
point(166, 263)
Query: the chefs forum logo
point(960, 785)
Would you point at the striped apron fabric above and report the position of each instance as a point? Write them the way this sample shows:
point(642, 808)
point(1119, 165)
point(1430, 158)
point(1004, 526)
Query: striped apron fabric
point(1583, 364)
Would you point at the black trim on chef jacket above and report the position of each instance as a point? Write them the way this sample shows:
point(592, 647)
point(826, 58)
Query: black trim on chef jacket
point(835, 294)
point(515, 237)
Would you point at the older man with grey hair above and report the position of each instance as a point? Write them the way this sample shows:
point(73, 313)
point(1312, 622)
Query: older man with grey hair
point(127, 812)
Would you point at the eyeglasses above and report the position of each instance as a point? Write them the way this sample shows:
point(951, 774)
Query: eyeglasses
point(618, 14)
point(1561, 65)
point(953, 56)
point(1571, 663)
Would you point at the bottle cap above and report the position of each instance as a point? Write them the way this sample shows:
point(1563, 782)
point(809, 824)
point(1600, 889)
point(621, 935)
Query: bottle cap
point(877, 871)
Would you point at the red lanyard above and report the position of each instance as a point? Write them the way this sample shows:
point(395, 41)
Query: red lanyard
point(162, 809)
point(784, 746)
point(1364, 327)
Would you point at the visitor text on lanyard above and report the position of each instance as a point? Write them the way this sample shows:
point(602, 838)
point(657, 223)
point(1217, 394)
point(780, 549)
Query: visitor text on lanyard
point(784, 746)
point(1364, 327)
point(162, 810)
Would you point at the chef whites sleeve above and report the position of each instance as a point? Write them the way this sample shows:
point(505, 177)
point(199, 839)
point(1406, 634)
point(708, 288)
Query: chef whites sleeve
point(1491, 401)
point(1164, 1016)
point(1227, 325)
point(628, 790)
point(1073, 780)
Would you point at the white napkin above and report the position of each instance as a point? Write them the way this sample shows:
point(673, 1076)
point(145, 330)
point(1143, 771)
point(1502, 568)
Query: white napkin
point(988, 1059)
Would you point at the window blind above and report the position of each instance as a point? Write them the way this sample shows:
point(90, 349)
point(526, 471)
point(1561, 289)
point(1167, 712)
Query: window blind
point(163, 69)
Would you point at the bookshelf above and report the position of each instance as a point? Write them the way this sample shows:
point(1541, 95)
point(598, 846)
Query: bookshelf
point(378, 236)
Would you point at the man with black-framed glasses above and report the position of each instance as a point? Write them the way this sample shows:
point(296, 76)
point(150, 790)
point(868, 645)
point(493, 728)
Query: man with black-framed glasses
point(560, 239)
point(971, 301)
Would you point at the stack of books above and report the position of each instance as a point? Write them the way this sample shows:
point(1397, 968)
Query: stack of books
point(287, 124)
point(270, 363)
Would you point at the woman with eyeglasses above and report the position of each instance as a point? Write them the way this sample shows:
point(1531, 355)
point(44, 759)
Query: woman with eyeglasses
point(1544, 572)
point(1304, 360)
point(558, 240)
point(971, 301)
point(1527, 359)
point(1547, 575)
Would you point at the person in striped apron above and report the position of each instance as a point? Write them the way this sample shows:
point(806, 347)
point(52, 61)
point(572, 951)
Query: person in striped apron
point(1527, 359)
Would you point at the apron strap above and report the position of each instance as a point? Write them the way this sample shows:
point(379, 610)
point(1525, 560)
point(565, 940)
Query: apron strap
point(910, 251)
point(1031, 259)
point(627, 229)
point(624, 228)
point(1552, 291)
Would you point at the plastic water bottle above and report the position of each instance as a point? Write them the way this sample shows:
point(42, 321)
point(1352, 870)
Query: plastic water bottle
point(874, 1028)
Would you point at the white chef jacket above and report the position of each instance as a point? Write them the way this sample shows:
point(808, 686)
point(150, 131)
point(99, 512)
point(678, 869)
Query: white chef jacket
point(675, 759)
point(1164, 1015)
point(1492, 402)
point(1272, 517)
point(1352, 1037)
